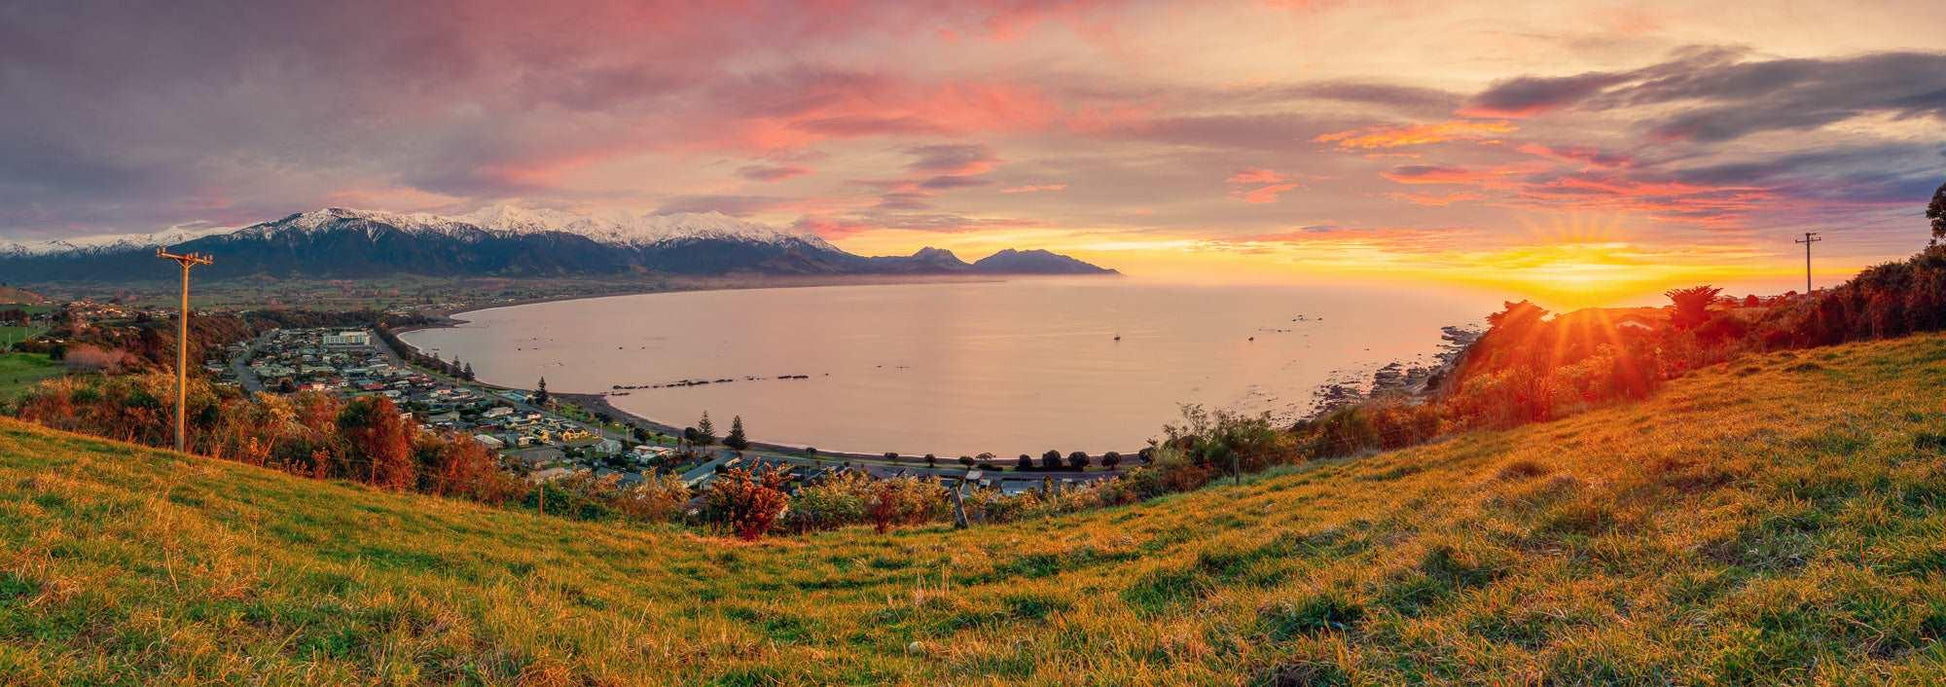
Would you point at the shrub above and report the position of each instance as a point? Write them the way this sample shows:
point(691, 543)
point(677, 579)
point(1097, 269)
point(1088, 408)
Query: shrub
point(905, 501)
point(1051, 460)
point(836, 501)
point(658, 498)
point(749, 504)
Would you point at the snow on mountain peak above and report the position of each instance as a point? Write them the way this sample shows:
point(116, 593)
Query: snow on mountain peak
point(612, 228)
point(621, 228)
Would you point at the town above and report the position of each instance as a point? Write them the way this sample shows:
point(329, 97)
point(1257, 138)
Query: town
point(538, 438)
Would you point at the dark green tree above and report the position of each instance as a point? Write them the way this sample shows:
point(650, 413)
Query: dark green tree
point(1026, 462)
point(705, 431)
point(736, 439)
point(540, 392)
point(1051, 460)
point(1937, 213)
point(1111, 459)
point(932, 460)
point(1078, 460)
point(1692, 305)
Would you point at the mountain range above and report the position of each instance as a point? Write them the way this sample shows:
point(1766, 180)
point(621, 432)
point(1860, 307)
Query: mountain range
point(340, 243)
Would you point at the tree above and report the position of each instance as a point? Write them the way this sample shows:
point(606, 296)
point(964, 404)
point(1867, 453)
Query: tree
point(932, 460)
point(540, 393)
point(1692, 305)
point(892, 456)
point(381, 439)
point(736, 440)
point(1111, 459)
point(1752, 301)
point(705, 431)
point(1937, 213)
point(1025, 462)
point(966, 461)
point(1051, 460)
point(1078, 460)
point(467, 372)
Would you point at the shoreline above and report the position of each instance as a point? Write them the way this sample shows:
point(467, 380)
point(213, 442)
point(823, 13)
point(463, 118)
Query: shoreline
point(450, 318)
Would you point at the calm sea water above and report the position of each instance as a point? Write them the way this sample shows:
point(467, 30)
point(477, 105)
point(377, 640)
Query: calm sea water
point(956, 369)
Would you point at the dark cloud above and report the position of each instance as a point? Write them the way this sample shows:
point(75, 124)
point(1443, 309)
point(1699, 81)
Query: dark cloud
point(1724, 97)
point(954, 159)
point(1530, 95)
point(944, 182)
point(771, 172)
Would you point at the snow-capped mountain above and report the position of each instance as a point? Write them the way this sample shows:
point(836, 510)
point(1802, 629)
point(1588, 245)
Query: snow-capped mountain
point(499, 241)
point(170, 236)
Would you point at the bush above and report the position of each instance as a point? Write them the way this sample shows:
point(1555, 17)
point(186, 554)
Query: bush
point(1051, 460)
point(905, 501)
point(830, 503)
point(658, 498)
point(749, 504)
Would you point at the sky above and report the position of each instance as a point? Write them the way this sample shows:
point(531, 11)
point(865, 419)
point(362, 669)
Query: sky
point(1579, 152)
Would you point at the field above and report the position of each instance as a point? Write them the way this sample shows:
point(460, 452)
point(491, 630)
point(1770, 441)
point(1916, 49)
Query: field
point(20, 371)
point(1776, 520)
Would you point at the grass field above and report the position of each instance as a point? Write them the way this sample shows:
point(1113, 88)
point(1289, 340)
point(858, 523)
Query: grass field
point(1777, 520)
point(13, 334)
point(21, 371)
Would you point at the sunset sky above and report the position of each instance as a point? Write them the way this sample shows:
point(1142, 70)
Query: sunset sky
point(1581, 152)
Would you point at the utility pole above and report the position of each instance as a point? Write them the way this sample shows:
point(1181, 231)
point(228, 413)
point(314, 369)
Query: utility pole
point(182, 336)
point(1810, 237)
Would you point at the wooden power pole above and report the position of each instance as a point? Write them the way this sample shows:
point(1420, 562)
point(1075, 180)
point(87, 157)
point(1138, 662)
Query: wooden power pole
point(1810, 237)
point(182, 338)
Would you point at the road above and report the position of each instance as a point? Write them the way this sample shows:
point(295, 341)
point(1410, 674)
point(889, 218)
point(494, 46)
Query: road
point(240, 364)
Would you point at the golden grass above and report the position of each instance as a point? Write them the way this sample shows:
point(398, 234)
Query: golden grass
point(1776, 520)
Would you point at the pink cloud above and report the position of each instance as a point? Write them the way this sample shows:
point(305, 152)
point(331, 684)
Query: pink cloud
point(1035, 188)
point(1260, 185)
point(1593, 157)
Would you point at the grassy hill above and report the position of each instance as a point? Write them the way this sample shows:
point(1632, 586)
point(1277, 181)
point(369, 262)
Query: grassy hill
point(1779, 519)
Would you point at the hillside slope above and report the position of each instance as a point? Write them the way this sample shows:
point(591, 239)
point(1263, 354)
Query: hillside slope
point(1777, 520)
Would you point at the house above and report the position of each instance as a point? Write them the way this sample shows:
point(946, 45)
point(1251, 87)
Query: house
point(537, 456)
point(490, 441)
point(497, 411)
point(345, 339)
point(549, 475)
point(608, 447)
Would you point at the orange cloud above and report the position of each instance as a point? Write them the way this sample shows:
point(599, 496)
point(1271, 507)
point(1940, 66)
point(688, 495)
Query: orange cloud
point(1436, 200)
point(1395, 136)
point(1268, 183)
point(1441, 174)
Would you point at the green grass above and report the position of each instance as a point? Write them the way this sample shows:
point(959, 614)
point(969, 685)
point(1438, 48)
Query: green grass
point(14, 334)
point(21, 371)
point(1775, 521)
